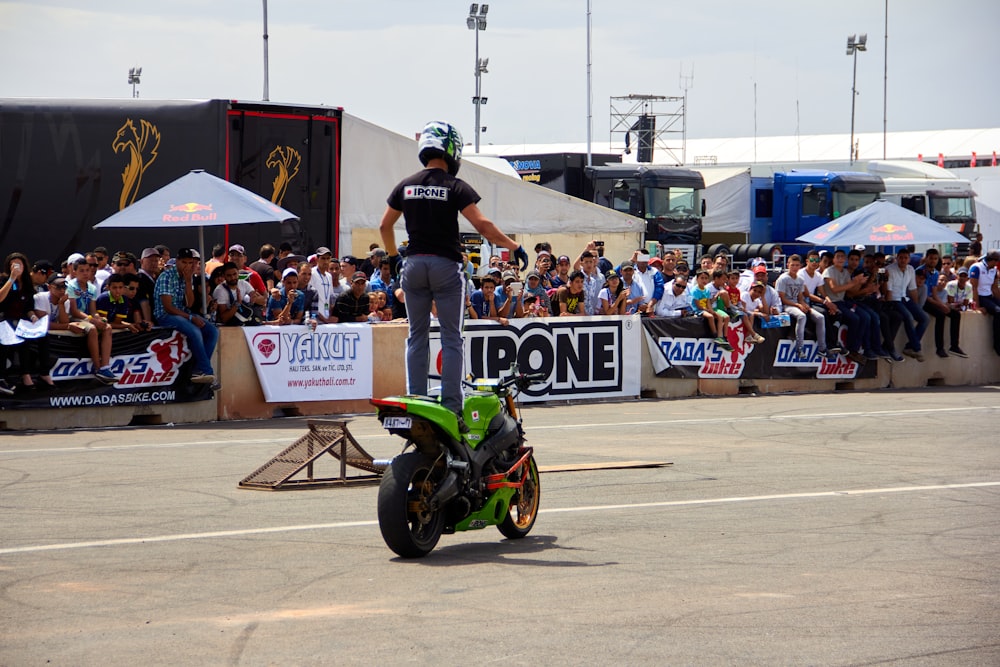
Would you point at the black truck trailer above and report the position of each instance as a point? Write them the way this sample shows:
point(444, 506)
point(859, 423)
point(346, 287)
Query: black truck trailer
point(66, 165)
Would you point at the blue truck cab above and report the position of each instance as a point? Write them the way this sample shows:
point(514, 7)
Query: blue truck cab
point(796, 202)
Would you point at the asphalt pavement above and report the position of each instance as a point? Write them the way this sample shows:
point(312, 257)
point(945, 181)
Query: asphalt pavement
point(836, 529)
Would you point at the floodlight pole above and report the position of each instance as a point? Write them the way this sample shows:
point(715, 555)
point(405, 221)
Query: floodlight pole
point(477, 21)
point(267, 93)
point(853, 46)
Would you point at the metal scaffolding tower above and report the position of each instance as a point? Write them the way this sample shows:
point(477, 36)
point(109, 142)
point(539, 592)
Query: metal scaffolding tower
point(654, 126)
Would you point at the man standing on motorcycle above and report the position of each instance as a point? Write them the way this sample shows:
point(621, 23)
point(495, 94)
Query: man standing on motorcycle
point(431, 200)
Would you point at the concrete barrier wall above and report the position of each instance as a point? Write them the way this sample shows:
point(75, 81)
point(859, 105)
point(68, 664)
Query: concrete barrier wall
point(241, 396)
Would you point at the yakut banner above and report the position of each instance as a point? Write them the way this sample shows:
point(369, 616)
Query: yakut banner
point(683, 348)
point(333, 363)
point(581, 357)
point(153, 367)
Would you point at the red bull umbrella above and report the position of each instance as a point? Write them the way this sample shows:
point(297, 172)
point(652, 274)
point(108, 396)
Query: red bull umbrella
point(198, 199)
point(881, 223)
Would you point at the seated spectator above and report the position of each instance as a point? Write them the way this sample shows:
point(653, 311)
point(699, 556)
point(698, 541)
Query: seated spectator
point(378, 302)
point(703, 303)
point(792, 292)
point(83, 309)
point(958, 293)
point(113, 306)
point(231, 293)
point(239, 257)
point(124, 262)
point(613, 295)
point(55, 303)
point(354, 304)
point(173, 302)
point(676, 301)
point(901, 293)
point(735, 308)
point(837, 280)
point(482, 304)
point(41, 271)
point(752, 304)
point(286, 304)
point(371, 264)
point(131, 292)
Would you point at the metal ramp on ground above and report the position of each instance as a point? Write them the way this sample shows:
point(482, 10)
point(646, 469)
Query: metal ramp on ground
point(324, 437)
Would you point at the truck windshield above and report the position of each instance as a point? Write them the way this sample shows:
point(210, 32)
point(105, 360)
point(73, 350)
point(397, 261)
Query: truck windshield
point(845, 202)
point(945, 209)
point(672, 202)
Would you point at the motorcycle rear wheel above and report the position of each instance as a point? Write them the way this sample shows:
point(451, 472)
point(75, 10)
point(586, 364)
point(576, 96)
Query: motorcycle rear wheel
point(408, 527)
point(523, 506)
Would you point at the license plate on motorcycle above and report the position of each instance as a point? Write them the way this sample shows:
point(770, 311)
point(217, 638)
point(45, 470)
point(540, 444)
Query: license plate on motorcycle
point(397, 422)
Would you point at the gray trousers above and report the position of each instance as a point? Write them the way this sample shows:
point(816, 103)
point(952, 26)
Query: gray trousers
point(800, 325)
point(426, 279)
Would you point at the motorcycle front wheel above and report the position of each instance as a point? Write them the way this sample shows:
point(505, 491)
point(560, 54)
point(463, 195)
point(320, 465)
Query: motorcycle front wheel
point(524, 505)
point(408, 527)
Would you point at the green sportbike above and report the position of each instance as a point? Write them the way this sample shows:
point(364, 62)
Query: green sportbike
point(446, 481)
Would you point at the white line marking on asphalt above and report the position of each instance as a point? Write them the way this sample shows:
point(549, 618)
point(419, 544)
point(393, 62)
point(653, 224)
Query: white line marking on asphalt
point(557, 510)
point(658, 422)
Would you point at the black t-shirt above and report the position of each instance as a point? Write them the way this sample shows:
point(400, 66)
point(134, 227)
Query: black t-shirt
point(431, 201)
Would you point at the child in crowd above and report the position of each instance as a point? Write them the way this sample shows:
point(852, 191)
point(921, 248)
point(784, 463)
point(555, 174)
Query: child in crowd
point(702, 301)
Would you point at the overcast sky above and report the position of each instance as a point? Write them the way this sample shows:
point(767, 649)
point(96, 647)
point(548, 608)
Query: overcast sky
point(399, 63)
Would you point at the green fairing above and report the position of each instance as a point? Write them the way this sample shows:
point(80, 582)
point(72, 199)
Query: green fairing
point(479, 411)
point(431, 410)
point(493, 511)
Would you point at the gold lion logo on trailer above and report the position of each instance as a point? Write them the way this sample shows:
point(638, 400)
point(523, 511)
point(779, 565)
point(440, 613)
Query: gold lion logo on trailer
point(142, 146)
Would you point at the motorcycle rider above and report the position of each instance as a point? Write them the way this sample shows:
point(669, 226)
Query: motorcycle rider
point(431, 200)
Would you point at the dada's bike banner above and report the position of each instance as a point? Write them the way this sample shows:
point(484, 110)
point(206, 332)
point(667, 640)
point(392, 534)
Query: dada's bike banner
point(333, 363)
point(581, 357)
point(152, 367)
point(682, 347)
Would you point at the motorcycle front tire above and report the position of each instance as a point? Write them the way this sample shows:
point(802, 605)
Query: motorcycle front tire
point(407, 483)
point(524, 505)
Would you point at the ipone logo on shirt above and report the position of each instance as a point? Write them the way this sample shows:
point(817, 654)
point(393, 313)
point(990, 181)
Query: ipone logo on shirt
point(425, 192)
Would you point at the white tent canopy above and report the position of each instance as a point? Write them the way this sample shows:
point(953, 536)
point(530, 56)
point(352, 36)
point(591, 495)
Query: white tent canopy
point(374, 160)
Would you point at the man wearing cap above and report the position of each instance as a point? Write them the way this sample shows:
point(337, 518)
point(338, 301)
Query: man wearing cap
point(430, 202)
point(371, 263)
point(287, 304)
point(353, 305)
point(173, 303)
point(958, 293)
point(986, 292)
point(238, 256)
point(652, 281)
point(149, 269)
point(637, 293)
point(325, 284)
point(560, 274)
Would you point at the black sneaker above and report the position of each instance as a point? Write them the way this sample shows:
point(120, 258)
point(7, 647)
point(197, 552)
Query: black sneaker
point(462, 426)
point(941, 353)
point(957, 351)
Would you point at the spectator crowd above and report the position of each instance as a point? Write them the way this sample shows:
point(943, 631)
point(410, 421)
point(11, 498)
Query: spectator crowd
point(96, 295)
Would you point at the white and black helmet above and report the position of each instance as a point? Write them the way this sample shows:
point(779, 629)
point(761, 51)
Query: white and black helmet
point(441, 140)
